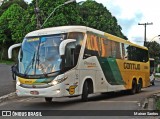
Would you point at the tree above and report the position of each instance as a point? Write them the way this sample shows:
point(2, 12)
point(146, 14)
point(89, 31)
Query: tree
point(19, 18)
point(154, 51)
point(12, 24)
point(97, 16)
point(12, 27)
point(90, 13)
point(65, 15)
point(7, 3)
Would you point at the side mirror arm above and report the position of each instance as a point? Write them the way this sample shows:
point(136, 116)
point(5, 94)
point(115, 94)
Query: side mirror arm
point(11, 48)
point(63, 45)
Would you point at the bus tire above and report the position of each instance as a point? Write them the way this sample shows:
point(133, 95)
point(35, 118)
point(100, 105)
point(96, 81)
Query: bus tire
point(85, 92)
point(134, 87)
point(48, 99)
point(139, 86)
point(13, 76)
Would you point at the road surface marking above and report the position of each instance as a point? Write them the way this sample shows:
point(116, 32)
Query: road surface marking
point(119, 101)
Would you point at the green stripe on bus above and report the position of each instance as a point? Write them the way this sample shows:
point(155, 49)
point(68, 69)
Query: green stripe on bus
point(111, 71)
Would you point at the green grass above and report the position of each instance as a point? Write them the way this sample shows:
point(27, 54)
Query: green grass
point(8, 62)
point(158, 104)
point(157, 76)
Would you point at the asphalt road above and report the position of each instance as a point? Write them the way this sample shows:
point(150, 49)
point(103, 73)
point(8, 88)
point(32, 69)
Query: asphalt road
point(7, 85)
point(113, 102)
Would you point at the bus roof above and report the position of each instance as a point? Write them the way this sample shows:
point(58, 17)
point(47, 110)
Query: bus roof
point(57, 30)
point(65, 29)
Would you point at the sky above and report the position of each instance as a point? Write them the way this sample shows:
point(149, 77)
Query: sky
point(131, 12)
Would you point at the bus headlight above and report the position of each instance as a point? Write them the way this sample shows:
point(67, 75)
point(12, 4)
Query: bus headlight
point(54, 82)
point(59, 80)
point(18, 82)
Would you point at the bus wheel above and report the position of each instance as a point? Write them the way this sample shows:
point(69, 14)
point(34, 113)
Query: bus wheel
point(139, 86)
point(14, 76)
point(48, 99)
point(85, 92)
point(134, 87)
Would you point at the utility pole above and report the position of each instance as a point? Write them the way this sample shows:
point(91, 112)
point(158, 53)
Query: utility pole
point(38, 17)
point(145, 24)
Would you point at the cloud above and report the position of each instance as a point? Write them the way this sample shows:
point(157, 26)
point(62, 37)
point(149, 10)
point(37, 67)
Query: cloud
point(128, 23)
point(29, 1)
point(114, 11)
point(138, 40)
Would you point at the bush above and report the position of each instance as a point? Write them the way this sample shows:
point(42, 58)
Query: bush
point(158, 104)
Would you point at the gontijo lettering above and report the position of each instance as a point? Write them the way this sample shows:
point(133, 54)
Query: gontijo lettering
point(132, 66)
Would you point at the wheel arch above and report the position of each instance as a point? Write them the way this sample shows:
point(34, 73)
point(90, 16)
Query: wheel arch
point(140, 80)
point(131, 81)
point(90, 83)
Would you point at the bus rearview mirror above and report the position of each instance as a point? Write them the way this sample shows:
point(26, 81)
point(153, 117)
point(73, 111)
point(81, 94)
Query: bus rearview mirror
point(11, 48)
point(63, 45)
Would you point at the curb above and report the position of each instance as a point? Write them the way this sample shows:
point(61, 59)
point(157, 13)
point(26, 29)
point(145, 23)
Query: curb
point(7, 97)
point(149, 103)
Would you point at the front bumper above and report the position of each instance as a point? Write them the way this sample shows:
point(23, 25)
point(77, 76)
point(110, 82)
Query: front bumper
point(53, 91)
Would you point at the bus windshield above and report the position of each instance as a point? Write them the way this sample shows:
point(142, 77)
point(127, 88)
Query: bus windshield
point(40, 55)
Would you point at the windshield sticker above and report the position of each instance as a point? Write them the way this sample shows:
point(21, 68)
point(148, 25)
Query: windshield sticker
point(43, 39)
point(33, 39)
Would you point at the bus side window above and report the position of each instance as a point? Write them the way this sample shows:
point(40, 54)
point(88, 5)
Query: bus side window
point(69, 55)
point(109, 49)
point(116, 53)
point(136, 54)
point(92, 47)
point(122, 51)
point(142, 55)
point(76, 53)
point(126, 51)
point(89, 53)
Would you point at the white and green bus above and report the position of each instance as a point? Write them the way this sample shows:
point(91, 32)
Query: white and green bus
point(69, 61)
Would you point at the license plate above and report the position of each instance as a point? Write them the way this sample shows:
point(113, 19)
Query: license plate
point(34, 92)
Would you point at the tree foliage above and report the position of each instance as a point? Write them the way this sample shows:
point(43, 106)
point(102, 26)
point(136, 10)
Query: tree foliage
point(12, 26)
point(154, 51)
point(97, 16)
point(7, 3)
point(18, 18)
point(65, 15)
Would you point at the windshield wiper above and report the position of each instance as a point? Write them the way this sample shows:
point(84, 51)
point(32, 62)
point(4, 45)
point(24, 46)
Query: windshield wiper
point(31, 62)
point(37, 56)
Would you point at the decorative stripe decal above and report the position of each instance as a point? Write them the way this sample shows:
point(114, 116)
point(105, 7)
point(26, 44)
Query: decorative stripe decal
point(111, 71)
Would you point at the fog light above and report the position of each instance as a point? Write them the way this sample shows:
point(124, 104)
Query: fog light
point(18, 83)
point(58, 91)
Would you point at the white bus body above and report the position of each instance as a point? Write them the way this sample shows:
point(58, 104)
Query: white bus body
point(53, 63)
